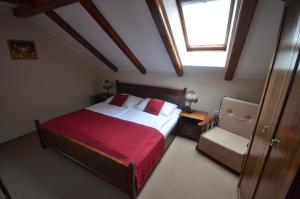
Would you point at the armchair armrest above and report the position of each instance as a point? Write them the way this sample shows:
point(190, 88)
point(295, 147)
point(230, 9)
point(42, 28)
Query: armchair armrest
point(208, 123)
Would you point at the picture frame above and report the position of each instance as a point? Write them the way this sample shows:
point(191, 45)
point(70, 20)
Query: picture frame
point(22, 50)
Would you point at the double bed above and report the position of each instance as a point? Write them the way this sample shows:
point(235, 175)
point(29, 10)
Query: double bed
point(121, 144)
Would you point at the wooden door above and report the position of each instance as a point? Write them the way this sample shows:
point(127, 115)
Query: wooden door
point(272, 101)
point(284, 158)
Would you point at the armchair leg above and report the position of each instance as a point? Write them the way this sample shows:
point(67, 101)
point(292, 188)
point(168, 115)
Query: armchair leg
point(4, 190)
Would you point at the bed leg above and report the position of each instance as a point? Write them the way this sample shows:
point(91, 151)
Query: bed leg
point(133, 181)
point(39, 131)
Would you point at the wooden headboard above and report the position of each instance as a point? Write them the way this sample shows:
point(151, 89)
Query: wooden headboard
point(167, 94)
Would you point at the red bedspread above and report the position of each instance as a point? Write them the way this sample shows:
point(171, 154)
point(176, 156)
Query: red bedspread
point(126, 141)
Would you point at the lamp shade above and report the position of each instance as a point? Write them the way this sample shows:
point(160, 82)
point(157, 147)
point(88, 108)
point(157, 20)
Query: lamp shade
point(191, 96)
point(107, 84)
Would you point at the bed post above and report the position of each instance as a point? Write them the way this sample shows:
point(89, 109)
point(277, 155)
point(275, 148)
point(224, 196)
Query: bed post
point(182, 101)
point(133, 181)
point(39, 131)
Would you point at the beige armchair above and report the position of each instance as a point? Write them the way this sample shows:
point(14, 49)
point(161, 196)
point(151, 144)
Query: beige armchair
point(226, 136)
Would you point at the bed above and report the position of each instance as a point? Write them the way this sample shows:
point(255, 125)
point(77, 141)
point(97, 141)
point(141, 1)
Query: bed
point(114, 167)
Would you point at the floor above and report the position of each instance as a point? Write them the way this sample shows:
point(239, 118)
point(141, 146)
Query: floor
point(30, 172)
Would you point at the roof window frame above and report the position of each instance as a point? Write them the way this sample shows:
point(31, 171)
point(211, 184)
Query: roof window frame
point(222, 47)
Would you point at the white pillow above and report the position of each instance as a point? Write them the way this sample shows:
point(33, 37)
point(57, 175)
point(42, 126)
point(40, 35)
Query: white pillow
point(108, 100)
point(166, 110)
point(132, 101)
point(141, 106)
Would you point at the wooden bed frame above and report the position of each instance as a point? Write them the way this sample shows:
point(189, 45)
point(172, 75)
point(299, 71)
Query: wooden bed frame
point(118, 173)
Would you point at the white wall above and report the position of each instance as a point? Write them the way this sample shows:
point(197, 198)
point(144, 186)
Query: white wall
point(58, 82)
point(210, 90)
point(261, 40)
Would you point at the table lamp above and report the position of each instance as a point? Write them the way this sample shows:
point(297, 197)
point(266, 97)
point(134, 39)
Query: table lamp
point(107, 85)
point(190, 97)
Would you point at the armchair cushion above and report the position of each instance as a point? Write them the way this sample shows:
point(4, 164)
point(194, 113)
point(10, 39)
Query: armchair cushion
point(227, 147)
point(238, 116)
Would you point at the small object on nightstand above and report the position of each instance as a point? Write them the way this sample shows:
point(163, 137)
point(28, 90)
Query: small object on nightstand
point(188, 124)
point(101, 97)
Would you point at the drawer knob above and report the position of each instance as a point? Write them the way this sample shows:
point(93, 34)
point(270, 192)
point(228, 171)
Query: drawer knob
point(188, 131)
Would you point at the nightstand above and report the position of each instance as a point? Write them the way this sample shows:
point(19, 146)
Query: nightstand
point(100, 97)
point(188, 124)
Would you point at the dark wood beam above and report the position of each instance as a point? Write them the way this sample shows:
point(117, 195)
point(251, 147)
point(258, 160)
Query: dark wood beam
point(161, 20)
point(243, 26)
point(65, 26)
point(40, 6)
point(100, 19)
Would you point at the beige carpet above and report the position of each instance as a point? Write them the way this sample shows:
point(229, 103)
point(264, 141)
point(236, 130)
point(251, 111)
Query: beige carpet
point(32, 173)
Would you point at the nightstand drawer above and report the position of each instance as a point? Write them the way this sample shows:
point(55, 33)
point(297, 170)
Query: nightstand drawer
point(188, 130)
point(188, 124)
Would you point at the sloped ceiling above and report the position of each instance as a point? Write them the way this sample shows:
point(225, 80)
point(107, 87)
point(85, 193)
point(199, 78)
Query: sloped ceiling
point(133, 22)
point(91, 31)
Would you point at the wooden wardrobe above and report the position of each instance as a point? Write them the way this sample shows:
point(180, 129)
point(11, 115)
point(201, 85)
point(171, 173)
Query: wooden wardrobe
point(274, 151)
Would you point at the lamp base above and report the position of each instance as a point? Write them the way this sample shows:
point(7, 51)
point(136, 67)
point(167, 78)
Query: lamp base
point(188, 109)
point(107, 91)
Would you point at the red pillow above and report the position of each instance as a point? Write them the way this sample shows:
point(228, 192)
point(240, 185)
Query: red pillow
point(119, 99)
point(154, 106)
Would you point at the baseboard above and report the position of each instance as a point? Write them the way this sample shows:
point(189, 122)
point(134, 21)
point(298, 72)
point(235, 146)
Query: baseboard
point(15, 136)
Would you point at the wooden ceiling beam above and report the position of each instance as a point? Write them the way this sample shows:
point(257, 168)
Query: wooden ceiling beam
point(161, 20)
point(244, 22)
point(65, 26)
point(40, 6)
point(91, 8)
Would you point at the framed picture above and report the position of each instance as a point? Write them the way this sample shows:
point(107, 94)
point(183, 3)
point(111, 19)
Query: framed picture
point(20, 49)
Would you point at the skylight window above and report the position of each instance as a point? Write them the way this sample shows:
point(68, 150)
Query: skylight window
point(206, 23)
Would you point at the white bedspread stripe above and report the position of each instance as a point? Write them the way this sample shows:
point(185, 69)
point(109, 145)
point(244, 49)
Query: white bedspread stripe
point(163, 124)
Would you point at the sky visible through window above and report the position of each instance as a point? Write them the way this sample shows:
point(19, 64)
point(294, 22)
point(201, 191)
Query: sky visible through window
point(206, 21)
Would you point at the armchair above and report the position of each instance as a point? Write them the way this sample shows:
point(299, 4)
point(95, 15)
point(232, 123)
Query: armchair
point(225, 137)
